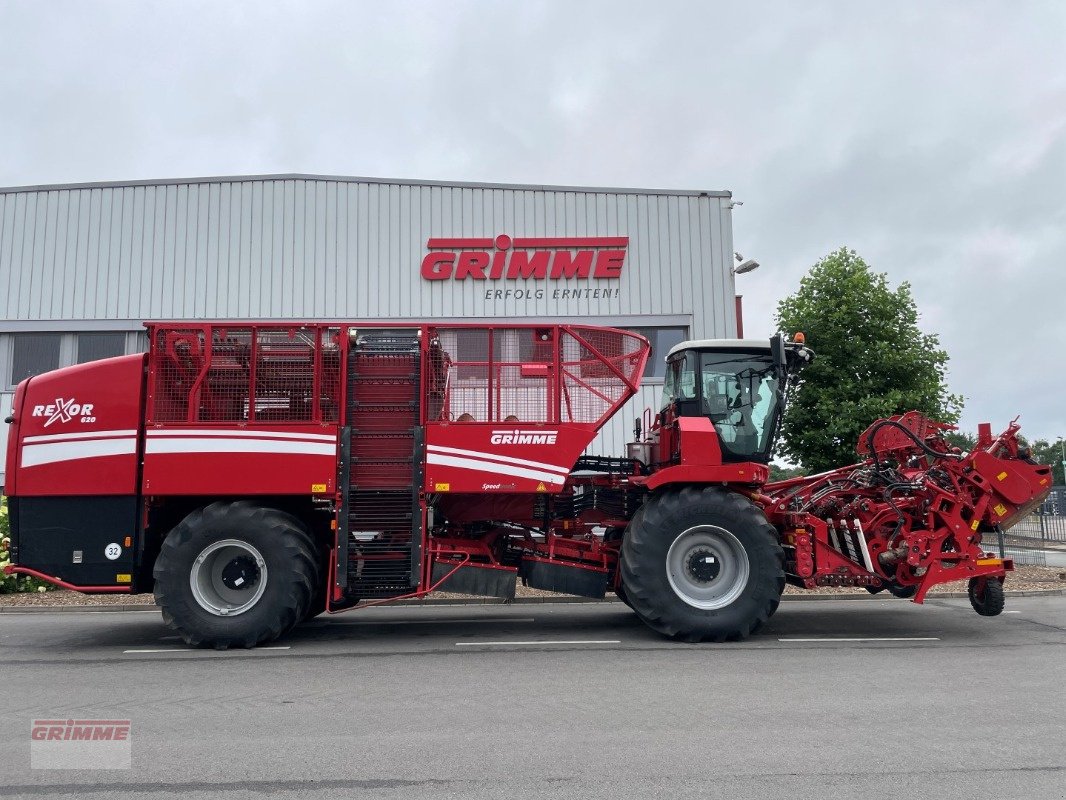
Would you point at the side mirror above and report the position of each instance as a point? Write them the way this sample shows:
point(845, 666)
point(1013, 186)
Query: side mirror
point(777, 350)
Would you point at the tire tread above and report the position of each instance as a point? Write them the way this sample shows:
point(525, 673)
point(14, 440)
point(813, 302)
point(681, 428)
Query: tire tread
point(642, 560)
point(288, 537)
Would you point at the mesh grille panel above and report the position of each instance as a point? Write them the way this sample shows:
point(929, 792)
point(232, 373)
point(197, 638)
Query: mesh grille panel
point(285, 374)
point(379, 555)
point(177, 358)
point(245, 374)
point(330, 366)
point(592, 362)
point(224, 394)
point(498, 375)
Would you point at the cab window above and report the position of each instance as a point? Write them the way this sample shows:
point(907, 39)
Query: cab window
point(680, 382)
point(739, 394)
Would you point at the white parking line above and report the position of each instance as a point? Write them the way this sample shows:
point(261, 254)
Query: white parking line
point(432, 621)
point(867, 639)
point(13, 610)
point(196, 650)
point(545, 641)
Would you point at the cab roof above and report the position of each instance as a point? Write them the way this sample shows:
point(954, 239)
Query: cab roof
point(759, 345)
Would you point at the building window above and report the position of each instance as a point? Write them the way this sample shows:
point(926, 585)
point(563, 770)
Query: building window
point(94, 346)
point(33, 354)
point(662, 339)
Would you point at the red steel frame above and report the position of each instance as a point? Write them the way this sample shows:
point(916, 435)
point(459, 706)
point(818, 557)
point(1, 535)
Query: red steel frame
point(930, 535)
point(14, 569)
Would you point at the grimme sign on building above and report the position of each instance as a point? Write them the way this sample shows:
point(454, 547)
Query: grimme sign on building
point(83, 266)
point(550, 258)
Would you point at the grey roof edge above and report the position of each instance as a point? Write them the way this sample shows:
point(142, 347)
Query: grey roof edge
point(91, 325)
point(299, 176)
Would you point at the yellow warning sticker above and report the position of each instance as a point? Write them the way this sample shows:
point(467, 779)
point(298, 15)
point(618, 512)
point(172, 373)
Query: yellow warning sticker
point(318, 488)
point(1000, 509)
point(123, 577)
point(984, 562)
point(541, 487)
point(1001, 476)
point(974, 525)
point(442, 487)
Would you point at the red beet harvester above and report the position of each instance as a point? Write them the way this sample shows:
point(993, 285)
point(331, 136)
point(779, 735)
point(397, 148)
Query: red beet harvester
point(255, 475)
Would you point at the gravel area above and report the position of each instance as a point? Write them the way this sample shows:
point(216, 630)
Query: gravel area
point(63, 597)
point(1024, 579)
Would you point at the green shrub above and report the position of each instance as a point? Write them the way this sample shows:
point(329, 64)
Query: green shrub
point(13, 583)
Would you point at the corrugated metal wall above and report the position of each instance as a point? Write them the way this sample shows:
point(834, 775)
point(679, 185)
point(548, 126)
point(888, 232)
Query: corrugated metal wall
point(326, 248)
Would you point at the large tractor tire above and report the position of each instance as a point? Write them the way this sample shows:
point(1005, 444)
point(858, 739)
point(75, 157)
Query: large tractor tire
point(235, 575)
point(318, 603)
point(617, 535)
point(702, 564)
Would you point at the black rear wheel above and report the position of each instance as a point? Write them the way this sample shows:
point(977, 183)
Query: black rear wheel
point(702, 564)
point(902, 592)
point(235, 575)
point(986, 596)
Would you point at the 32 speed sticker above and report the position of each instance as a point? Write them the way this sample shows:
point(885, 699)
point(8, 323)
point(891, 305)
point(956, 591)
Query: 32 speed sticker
point(112, 551)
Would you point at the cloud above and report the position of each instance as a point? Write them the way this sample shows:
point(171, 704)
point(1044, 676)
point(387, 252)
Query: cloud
point(931, 138)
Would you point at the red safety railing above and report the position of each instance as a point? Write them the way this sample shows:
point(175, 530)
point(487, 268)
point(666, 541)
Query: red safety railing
point(219, 373)
point(550, 374)
point(247, 373)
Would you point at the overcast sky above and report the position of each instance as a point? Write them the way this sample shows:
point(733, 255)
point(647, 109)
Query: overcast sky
point(930, 137)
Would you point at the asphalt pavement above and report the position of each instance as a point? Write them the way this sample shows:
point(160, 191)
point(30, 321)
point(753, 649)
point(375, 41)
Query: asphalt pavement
point(834, 699)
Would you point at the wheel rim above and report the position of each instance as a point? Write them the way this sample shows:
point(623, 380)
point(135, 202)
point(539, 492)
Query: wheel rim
point(707, 567)
point(228, 577)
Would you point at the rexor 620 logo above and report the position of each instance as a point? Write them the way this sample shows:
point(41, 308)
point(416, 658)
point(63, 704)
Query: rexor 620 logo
point(63, 410)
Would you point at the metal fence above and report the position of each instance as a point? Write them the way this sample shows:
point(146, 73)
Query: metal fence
point(1040, 538)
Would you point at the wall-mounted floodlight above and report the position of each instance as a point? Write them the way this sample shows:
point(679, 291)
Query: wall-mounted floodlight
point(745, 265)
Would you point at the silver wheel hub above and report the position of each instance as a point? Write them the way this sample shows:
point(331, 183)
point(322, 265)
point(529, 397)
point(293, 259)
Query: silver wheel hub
point(228, 577)
point(707, 567)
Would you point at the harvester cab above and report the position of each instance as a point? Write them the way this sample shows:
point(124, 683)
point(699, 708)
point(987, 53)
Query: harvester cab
point(737, 384)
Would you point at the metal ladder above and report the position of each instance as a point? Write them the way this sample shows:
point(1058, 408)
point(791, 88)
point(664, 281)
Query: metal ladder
point(382, 444)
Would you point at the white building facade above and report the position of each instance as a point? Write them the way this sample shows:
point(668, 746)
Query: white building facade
point(83, 266)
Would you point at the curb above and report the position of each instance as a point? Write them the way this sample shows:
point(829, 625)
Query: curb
point(72, 609)
point(522, 601)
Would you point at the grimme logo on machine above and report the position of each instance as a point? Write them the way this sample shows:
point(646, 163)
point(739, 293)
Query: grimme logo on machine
point(543, 258)
point(523, 437)
point(64, 411)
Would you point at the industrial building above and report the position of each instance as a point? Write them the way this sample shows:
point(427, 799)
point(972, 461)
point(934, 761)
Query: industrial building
point(83, 266)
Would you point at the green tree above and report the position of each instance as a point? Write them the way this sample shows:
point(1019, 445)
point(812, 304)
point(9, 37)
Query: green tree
point(871, 361)
point(962, 440)
point(779, 472)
